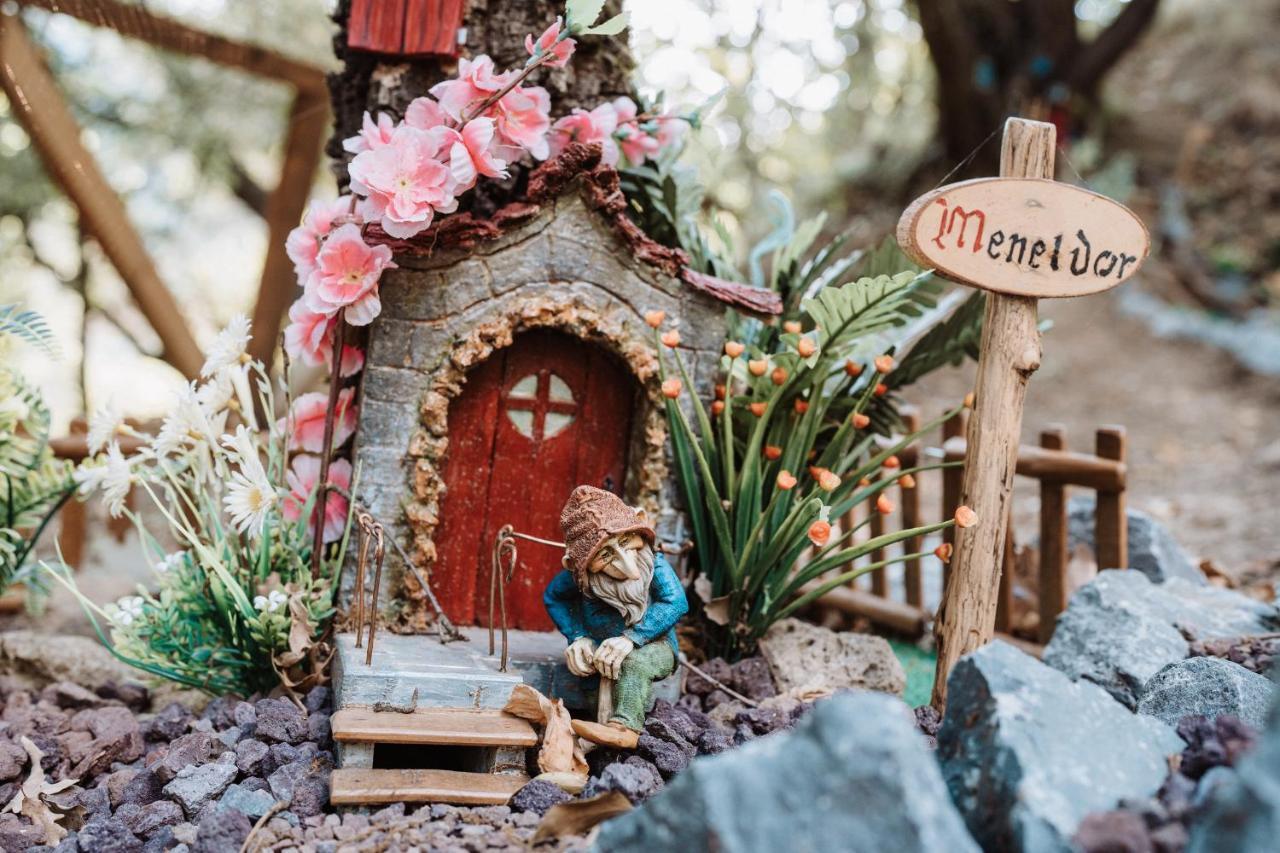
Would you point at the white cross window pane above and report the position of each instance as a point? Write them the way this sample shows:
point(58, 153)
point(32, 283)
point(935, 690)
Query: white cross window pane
point(556, 422)
point(560, 392)
point(523, 421)
point(527, 387)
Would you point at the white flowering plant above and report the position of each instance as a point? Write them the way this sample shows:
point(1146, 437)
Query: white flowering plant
point(240, 605)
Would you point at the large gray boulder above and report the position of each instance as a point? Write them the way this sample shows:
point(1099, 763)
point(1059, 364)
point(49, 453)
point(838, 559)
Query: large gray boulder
point(854, 775)
point(1152, 549)
point(1120, 629)
point(1027, 753)
point(1207, 686)
point(1243, 810)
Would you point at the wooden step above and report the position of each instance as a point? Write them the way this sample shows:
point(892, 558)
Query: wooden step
point(441, 726)
point(358, 786)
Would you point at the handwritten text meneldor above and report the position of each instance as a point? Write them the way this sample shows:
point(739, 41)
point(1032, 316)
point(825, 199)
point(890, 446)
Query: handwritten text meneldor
point(1074, 253)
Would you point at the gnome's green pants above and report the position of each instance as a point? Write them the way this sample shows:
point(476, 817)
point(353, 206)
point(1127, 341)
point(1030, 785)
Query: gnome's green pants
point(634, 687)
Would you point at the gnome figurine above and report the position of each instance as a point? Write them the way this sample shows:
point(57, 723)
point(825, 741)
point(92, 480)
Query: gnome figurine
point(616, 602)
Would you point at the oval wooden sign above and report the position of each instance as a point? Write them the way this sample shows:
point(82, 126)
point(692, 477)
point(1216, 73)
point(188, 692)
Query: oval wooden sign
point(1024, 236)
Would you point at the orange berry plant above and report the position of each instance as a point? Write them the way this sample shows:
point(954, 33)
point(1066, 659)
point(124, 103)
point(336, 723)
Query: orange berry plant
point(791, 402)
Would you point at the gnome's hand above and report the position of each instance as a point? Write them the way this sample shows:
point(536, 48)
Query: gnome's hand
point(611, 654)
point(580, 656)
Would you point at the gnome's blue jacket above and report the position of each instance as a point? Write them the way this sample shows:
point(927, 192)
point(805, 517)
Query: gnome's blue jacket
point(578, 615)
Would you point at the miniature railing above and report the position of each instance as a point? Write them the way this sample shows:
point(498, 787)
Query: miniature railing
point(1056, 468)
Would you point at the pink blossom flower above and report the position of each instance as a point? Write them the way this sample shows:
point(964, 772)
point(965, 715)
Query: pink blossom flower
point(546, 43)
point(309, 335)
point(305, 420)
point(472, 152)
point(425, 114)
point(475, 82)
point(523, 118)
point(302, 477)
point(346, 275)
point(636, 145)
point(626, 109)
point(371, 135)
point(303, 242)
point(671, 131)
point(582, 126)
point(352, 360)
point(403, 184)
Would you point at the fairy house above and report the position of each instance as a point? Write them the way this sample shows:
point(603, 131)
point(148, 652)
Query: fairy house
point(512, 362)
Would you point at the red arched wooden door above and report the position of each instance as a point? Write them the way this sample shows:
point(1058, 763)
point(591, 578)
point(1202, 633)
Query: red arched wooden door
point(533, 421)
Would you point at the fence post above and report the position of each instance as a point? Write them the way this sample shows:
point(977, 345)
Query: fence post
point(880, 577)
point(952, 478)
point(911, 578)
point(1053, 539)
point(1111, 526)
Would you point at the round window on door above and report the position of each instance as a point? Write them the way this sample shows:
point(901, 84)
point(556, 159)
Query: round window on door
point(540, 405)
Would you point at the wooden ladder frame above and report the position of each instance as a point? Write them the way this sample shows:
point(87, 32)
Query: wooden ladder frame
point(40, 107)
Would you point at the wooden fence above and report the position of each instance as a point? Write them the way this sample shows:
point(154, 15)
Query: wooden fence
point(1056, 469)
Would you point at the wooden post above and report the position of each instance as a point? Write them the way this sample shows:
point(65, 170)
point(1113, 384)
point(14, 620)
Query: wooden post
point(952, 477)
point(1004, 596)
point(308, 117)
point(1111, 524)
point(912, 581)
point(1010, 354)
point(879, 578)
point(1053, 539)
point(39, 106)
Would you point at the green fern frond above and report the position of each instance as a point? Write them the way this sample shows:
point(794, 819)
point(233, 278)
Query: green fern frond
point(948, 342)
point(28, 326)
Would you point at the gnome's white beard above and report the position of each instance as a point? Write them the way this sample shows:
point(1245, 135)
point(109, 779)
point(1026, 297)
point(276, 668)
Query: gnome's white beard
point(628, 597)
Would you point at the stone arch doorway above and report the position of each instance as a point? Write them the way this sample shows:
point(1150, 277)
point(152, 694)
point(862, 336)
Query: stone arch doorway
point(534, 420)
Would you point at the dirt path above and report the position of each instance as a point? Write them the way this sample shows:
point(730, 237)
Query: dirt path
point(1204, 436)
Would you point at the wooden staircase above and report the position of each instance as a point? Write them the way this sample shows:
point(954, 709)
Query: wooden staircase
point(491, 743)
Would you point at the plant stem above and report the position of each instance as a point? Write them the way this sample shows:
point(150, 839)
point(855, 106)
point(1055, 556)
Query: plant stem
point(330, 415)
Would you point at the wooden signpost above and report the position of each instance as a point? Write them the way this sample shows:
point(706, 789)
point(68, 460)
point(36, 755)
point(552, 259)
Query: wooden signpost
point(1021, 236)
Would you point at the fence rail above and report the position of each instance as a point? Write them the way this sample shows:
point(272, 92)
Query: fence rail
point(1056, 468)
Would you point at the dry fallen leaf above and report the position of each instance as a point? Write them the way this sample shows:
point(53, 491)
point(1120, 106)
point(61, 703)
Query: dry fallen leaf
point(30, 799)
point(579, 816)
point(560, 752)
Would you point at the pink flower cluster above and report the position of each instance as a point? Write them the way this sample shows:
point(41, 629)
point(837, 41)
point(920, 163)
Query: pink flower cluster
point(619, 130)
point(302, 477)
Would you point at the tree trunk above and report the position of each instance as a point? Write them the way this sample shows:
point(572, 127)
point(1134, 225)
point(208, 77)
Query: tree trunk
point(600, 71)
point(995, 58)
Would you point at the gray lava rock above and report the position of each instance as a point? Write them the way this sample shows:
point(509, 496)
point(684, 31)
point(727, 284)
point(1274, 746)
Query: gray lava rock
point(668, 757)
point(249, 756)
point(538, 796)
point(854, 748)
point(221, 830)
point(169, 724)
point(107, 836)
point(717, 669)
point(752, 679)
point(303, 786)
point(145, 787)
point(318, 699)
point(146, 821)
point(13, 759)
point(1086, 646)
point(194, 786)
point(280, 721)
point(1152, 549)
point(249, 802)
point(1021, 747)
point(1207, 686)
point(95, 802)
point(194, 748)
point(635, 778)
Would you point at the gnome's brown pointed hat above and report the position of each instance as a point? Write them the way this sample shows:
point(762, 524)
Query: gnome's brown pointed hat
point(589, 518)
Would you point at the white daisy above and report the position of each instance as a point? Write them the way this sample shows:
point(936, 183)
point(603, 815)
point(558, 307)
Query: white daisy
point(214, 395)
point(104, 425)
point(271, 602)
point(227, 349)
point(250, 494)
point(117, 480)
